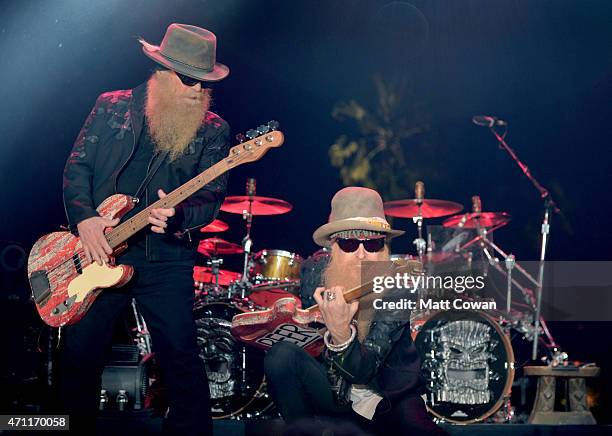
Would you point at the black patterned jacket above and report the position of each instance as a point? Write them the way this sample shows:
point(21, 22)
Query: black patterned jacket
point(387, 361)
point(105, 145)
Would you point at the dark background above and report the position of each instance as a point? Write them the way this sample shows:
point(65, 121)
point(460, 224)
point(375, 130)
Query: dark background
point(544, 66)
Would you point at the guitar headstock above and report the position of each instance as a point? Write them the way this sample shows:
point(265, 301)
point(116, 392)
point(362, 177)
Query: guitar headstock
point(259, 141)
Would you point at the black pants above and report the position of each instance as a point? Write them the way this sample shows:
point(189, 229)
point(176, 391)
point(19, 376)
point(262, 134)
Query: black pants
point(299, 386)
point(164, 293)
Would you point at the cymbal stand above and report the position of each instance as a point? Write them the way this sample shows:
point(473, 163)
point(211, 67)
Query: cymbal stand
point(419, 242)
point(247, 242)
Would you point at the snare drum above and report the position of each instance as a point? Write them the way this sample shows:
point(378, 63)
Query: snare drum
point(276, 265)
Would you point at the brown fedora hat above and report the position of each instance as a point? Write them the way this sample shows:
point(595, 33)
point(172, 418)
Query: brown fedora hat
point(189, 50)
point(355, 208)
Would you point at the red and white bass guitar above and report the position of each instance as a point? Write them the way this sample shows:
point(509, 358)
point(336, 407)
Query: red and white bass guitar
point(64, 284)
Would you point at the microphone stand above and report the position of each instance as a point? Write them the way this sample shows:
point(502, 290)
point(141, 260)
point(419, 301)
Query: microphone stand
point(549, 204)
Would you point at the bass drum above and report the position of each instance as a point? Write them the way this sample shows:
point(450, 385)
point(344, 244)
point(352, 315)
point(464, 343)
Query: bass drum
point(235, 372)
point(468, 365)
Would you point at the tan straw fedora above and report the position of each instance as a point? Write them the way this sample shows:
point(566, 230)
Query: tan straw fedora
point(355, 208)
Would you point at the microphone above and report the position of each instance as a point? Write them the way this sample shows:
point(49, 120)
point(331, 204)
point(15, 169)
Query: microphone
point(419, 192)
point(487, 121)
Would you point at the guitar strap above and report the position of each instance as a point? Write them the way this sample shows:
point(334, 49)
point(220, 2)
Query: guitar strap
point(159, 159)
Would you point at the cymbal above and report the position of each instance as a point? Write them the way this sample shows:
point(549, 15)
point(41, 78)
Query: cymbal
point(215, 227)
point(260, 205)
point(218, 246)
point(429, 208)
point(482, 219)
point(204, 274)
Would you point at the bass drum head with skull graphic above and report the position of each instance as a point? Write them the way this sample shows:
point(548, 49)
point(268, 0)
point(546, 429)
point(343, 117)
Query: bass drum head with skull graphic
point(235, 373)
point(468, 365)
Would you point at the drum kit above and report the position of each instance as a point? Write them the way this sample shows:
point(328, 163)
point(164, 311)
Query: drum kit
point(234, 370)
point(468, 358)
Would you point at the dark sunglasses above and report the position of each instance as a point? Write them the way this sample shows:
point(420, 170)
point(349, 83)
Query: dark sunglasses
point(189, 81)
point(370, 245)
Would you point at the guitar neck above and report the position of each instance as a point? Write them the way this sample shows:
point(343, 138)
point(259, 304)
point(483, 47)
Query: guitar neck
point(350, 295)
point(364, 289)
point(125, 230)
point(248, 151)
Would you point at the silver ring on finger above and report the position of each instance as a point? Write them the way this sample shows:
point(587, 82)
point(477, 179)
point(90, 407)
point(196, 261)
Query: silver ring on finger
point(331, 296)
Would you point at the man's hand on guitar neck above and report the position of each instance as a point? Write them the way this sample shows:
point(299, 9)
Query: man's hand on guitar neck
point(95, 245)
point(337, 313)
point(159, 217)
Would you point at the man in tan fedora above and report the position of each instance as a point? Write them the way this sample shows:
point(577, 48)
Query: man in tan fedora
point(369, 373)
point(146, 142)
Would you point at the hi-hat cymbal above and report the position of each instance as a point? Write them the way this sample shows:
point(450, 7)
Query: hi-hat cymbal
point(429, 208)
point(259, 205)
point(215, 227)
point(474, 220)
point(218, 246)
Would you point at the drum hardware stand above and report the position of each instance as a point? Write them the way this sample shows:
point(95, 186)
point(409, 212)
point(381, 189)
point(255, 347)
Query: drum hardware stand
point(143, 338)
point(527, 293)
point(510, 261)
point(419, 242)
point(505, 413)
point(214, 263)
point(247, 242)
point(549, 204)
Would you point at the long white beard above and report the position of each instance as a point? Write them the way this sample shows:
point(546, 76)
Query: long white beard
point(173, 122)
point(349, 275)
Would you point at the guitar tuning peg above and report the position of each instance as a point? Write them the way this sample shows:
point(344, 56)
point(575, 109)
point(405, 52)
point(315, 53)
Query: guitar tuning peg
point(240, 138)
point(251, 134)
point(273, 125)
point(263, 129)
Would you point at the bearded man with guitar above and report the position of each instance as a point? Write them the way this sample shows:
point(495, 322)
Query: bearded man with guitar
point(369, 372)
point(146, 142)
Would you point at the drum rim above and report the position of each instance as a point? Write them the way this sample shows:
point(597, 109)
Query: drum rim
point(277, 252)
point(505, 339)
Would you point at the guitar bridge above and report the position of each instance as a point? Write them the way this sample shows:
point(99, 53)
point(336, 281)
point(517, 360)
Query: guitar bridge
point(41, 288)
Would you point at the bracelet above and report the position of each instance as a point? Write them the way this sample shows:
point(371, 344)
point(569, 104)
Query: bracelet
point(340, 347)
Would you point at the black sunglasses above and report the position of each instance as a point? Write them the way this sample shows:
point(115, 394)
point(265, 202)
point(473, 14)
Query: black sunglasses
point(190, 81)
point(370, 245)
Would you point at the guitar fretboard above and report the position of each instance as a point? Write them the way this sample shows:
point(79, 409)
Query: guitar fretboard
point(246, 152)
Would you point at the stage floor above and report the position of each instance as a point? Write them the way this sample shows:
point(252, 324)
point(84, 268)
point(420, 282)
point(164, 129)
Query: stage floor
point(118, 425)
